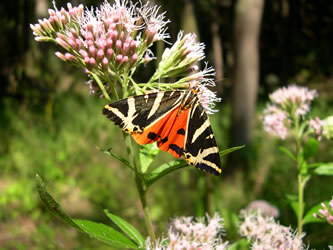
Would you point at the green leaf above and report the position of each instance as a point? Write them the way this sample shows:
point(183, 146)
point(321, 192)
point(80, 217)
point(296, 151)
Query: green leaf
point(105, 234)
point(119, 158)
point(147, 155)
point(229, 150)
point(310, 148)
point(99, 231)
point(52, 206)
point(127, 228)
point(240, 244)
point(294, 206)
point(293, 201)
point(287, 152)
point(309, 218)
point(324, 169)
point(163, 170)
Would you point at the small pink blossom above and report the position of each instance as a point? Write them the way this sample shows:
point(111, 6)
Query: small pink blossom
point(275, 121)
point(325, 213)
point(317, 126)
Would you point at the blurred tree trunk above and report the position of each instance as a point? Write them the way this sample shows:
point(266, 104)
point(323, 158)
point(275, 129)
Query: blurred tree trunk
point(248, 15)
point(217, 45)
point(189, 21)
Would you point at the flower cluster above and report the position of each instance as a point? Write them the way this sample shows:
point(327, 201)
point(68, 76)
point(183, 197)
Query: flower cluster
point(325, 213)
point(287, 105)
point(180, 58)
point(104, 39)
point(322, 128)
point(111, 41)
point(189, 233)
point(46, 29)
point(294, 99)
point(265, 233)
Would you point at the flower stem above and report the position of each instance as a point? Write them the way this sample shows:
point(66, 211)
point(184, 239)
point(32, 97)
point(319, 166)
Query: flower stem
point(300, 176)
point(101, 86)
point(300, 204)
point(141, 190)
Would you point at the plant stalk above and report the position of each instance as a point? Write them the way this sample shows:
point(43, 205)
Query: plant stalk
point(141, 190)
point(300, 204)
point(142, 193)
point(300, 178)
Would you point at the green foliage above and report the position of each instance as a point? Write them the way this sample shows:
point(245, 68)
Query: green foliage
point(99, 231)
point(147, 155)
point(324, 169)
point(309, 218)
point(127, 228)
point(311, 148)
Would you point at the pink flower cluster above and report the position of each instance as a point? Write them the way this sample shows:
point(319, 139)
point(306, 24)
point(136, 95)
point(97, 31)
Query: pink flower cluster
point(265, 233)
point(189, 233)
point(325, 213)
point(106, 39)
point(287, 104)
point(294, 99)
point(47, 28)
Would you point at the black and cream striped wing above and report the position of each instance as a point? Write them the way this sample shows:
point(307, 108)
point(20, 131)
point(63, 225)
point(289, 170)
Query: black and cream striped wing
point(135, 113)
point(200, 148)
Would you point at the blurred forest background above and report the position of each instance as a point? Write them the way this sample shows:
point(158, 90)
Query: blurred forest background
point(51, 126)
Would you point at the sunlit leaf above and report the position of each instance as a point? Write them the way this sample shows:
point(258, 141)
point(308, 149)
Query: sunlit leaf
point(324, 169)
point(147, 155)
point(105, 234)
point(126, 228)
point(309, 218)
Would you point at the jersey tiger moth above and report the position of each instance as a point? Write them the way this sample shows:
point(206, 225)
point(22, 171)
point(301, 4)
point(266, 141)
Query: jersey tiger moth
point(175, 120)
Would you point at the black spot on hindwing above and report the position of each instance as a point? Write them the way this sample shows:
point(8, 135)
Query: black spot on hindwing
point(164, 140)
point(152, 136)
point(181, 131)
point(177, 149)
